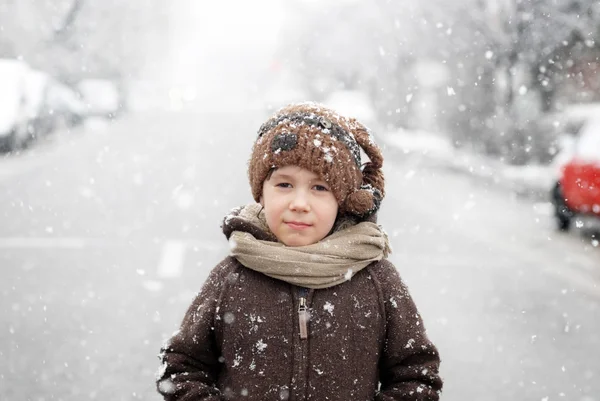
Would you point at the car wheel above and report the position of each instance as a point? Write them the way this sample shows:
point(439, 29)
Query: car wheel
point(562, 213)
point(16, 141)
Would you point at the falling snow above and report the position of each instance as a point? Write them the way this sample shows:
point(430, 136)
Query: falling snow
point(125, 132)
point(329, 307)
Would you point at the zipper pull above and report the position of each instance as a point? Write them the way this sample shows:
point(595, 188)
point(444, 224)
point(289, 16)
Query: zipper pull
point(303, 318)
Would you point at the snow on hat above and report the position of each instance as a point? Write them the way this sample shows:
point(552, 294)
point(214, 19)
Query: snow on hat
point(314, 137)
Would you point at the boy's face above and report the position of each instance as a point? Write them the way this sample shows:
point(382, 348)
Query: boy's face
point(299, 207)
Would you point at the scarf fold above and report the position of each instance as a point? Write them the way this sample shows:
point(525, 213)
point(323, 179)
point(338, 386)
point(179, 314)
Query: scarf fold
point(329, 262)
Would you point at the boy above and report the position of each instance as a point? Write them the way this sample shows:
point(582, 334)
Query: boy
point(306, 307)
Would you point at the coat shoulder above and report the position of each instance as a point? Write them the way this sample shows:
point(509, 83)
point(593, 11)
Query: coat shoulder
point(390, 285)
point(221, 272)
point(386, 273)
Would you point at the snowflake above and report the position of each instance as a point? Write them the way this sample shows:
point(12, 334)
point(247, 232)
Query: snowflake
point(260, 345)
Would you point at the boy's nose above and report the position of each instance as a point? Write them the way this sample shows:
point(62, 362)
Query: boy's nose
point(300, 202)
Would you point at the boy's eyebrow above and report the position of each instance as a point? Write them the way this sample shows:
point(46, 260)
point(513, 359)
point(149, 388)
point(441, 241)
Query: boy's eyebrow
point(291, 177)
point(280, 175)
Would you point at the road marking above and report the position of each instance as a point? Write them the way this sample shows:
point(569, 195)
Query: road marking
point(171, 259)
point(45, 243)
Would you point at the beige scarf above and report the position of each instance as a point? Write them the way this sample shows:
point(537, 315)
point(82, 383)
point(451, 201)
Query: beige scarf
point(329, 262)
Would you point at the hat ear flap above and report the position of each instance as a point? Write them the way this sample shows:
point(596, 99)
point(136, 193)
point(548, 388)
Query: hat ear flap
point(365, 140)
point(372, 173)
point(366, 200)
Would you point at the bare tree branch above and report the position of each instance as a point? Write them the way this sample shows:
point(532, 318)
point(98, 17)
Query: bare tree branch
point(61, 33)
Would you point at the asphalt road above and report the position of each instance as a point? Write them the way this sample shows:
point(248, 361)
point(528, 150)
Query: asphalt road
point(107, 234)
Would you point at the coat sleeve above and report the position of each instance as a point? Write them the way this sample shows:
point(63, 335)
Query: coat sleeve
point(409, 363)
point(190, 358)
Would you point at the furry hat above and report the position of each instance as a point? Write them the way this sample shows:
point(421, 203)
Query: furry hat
point(314, 137)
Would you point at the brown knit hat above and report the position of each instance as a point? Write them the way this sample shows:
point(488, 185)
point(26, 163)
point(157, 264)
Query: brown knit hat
point(311, 136)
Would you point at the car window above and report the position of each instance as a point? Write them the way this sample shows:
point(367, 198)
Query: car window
point(588, 145)
point(573, 127)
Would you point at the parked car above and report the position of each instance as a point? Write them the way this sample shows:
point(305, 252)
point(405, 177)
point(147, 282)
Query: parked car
point(14, 108)
point(101, 97)
point(577, 190)
point(35, 87)
point(64, 105)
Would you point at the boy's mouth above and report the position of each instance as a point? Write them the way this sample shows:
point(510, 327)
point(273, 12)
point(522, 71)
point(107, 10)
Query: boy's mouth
point(297, 225)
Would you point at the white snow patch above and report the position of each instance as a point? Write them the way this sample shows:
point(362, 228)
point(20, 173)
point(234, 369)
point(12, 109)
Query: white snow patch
point(237, 360)
point(161, 370)
point(261, 345)
point(329, 307)
point(254, 318)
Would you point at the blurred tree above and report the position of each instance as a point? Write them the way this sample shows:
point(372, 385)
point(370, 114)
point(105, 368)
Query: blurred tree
point(510, 58)
point(62, 30)
point(507, 60)
point(75, 39)
point(530, 53)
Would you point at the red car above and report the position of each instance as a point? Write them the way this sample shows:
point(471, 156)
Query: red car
point(577, 191)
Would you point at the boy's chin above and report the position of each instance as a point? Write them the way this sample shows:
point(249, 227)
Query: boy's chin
point(298, 241)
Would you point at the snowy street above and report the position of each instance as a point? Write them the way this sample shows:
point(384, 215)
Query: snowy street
point(106, 236)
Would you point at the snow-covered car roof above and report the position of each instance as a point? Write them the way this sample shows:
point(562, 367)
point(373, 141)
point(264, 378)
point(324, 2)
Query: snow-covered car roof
point(101, 96)
point(62, 98)
point(34, 85)
point(588, 144)
point(12, 75)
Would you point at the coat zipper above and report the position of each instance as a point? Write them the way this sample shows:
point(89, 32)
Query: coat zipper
point(303, 314)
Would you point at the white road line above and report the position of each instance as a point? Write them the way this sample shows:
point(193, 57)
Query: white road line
point(45, 243)
point(171, 259)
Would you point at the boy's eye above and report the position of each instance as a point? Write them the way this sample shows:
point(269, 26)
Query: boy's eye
point(321, 188)
point(284, 185)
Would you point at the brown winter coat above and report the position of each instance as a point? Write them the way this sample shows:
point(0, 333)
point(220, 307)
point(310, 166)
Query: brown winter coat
point(240, 340)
